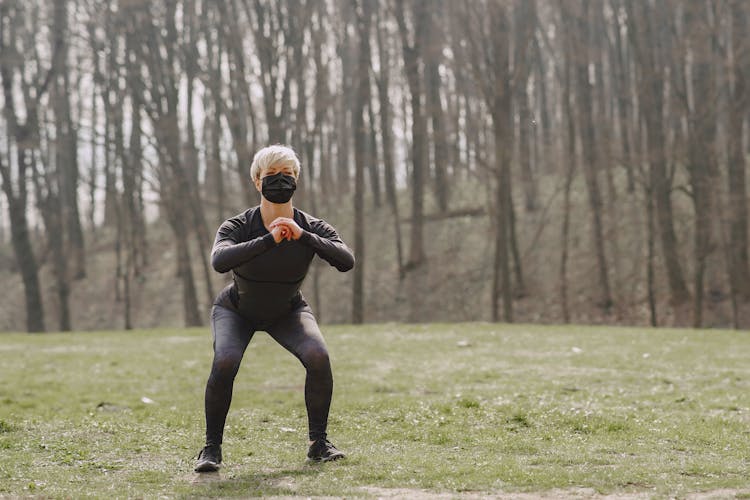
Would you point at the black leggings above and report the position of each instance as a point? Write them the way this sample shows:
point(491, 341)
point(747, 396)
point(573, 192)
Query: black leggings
point(298, 332)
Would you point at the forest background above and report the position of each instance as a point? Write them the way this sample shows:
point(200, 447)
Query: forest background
point(541, 161)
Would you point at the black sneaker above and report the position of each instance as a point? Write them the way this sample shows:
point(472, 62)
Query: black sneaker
point(209, 459)
point(323, 450)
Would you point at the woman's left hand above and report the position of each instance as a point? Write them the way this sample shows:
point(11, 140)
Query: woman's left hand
point(293, 230)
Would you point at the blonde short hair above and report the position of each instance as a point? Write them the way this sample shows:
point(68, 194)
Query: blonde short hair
point(277, 154)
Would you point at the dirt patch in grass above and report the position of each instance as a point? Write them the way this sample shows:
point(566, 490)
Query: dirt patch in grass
point(720, 493)
point(414, 493)
point(564, 494)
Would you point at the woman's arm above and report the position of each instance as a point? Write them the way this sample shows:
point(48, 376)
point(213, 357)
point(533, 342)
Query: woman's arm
point(328, 245)
point(230, 251)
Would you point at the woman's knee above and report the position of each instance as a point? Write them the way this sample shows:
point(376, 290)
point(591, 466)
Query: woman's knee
point(316, 359)
point(225, 365)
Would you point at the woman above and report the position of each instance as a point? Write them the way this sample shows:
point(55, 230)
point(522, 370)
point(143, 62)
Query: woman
point(269, 248)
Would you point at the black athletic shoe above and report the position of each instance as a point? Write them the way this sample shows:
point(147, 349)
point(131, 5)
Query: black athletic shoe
point(209, 459)
point(323, 450)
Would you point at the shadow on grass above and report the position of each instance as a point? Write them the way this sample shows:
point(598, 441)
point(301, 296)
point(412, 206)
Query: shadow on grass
point(205, 477)
point(268, 482)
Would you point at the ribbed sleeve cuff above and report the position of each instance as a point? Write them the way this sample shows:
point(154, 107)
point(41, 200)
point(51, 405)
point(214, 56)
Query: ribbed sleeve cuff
point(268, 241)
point(306, 236)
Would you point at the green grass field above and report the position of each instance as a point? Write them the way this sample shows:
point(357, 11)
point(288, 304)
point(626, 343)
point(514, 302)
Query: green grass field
point(422, 410)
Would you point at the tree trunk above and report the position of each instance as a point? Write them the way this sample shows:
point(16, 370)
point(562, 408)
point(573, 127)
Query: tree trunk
point(185, 272)
point(214, 161)
point(581, 25)
point(520, 286)
point(134, 194)
point(17, 194)
point(178, 195)
point(701, 152)
point(502, 121)
point(544, 108)
point(570, 159)
point(387, 140)
point(650, 286)
point(524, 147)
point(433, 50)
point(93, 170)
point(372, 157)
point(47, 193)
point(649, 54)
point(271, 54)
point(121, 206)
point(111, 96)
point(174, 198)
point(238, 129)
point(189, 158)
point(344, 102)
point(212, 99)
point(740, 103)
point(66, 146)
point(362, 97)
point(22, 249)
point(501, 286)
point(411, 53)
point(133, 177)
point(241, 105)
point(622, 93)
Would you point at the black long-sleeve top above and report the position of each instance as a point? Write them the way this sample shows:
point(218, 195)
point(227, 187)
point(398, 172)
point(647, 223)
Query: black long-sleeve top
point(267, 275)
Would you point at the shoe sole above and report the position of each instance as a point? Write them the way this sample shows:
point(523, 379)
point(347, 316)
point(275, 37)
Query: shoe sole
point(206, 466)
point(327, 459)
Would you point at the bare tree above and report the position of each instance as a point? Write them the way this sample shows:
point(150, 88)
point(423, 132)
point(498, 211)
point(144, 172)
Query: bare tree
point(160, 36)
point(382, 80)
point(433, 56)
point(739, 66)
point(412, 39)
point(490, 65)
point(524, 22)
point(620, 78)
point(577, 22)
point(701, 161)
point(270, 32)
point(66, 143)
point(644, 22)
point(25, 136)
point(570, 167)
point(213, 100)
point(362, 97)
point(240, 107)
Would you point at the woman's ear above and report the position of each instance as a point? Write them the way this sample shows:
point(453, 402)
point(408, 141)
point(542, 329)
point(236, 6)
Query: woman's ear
point(258, 185)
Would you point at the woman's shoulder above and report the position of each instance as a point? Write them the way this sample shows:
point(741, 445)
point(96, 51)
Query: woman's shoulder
point(243, 218)
point(307, 219)
point(312, 223)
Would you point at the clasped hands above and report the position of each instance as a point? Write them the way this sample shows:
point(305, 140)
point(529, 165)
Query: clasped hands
point(284, 228)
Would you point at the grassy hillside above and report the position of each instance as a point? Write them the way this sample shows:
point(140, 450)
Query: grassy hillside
point(422, 410)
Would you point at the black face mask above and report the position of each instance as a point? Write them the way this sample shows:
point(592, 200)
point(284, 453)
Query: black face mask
point(278, 188)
